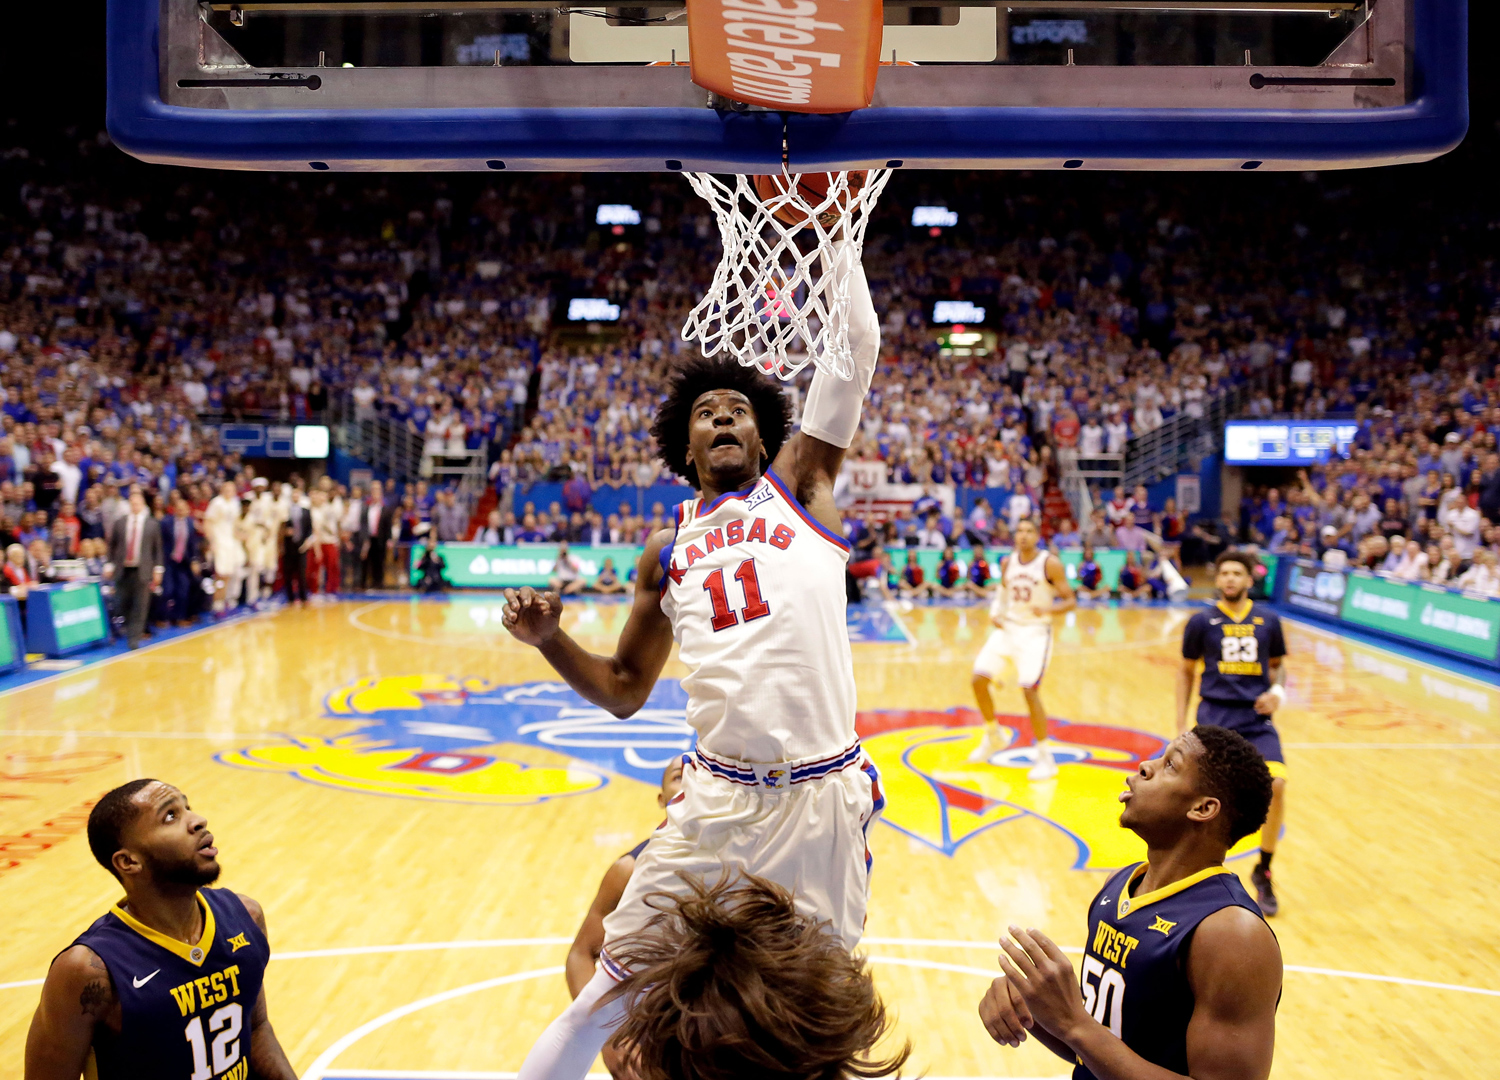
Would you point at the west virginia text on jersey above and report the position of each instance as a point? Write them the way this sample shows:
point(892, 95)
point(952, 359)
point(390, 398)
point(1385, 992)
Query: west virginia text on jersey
point(1236, 652)
point(185, 1009)
point(1133, 979)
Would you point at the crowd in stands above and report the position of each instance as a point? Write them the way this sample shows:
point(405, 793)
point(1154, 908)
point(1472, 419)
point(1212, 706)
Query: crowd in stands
point(141, 306)
point(1418, 498)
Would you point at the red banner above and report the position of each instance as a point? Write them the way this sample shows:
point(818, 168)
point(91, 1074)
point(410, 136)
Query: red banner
point(809, 56)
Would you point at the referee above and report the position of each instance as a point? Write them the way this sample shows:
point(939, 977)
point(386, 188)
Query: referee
point(1240, 645)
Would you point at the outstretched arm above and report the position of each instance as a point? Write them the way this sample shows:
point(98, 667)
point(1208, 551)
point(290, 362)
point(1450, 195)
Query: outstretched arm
point(620, 683)
point(811, 459)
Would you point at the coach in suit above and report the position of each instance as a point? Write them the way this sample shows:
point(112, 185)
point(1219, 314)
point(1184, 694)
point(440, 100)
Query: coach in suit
point(375, 519)
point(181, 543)
point(135, 565)
point(295, 531)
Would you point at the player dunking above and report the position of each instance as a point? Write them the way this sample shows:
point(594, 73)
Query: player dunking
point(1181, 975)
point(750, 582)
point(167, 984)
point(1033, 589)
point(1240, 645)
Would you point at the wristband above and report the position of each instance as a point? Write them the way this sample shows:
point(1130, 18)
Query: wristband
point(1279, 693)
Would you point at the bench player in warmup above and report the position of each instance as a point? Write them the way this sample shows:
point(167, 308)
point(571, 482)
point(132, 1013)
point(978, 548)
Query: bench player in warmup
point(1240, 645)
point(1181, 975)
point(1033, 589)
point(750, 583)
point(167, 983)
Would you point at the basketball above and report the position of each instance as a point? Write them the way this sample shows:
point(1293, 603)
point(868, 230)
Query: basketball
point(813, 187)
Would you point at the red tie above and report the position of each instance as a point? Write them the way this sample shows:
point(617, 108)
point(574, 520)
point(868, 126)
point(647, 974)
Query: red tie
point(131, 542)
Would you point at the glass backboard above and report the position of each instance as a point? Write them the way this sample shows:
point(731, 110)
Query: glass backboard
point(1038, 84)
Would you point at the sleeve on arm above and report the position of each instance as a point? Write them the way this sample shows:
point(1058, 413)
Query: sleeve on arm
point(1192, 639)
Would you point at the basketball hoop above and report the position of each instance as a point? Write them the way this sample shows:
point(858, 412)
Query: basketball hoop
point(780, 294)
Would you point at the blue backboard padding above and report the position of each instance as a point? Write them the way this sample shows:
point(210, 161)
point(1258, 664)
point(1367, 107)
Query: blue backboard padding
point(616, 139)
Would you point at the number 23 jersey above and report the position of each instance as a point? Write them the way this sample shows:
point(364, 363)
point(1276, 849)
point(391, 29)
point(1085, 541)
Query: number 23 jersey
point(1236, 653)
point(184, 1009)
point(754, 587)
point(1134, 975)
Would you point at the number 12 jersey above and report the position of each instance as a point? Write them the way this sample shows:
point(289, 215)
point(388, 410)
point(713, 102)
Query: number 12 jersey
point(184, 1009)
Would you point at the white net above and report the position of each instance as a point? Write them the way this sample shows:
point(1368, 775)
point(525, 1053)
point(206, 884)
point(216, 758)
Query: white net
point(780, 294)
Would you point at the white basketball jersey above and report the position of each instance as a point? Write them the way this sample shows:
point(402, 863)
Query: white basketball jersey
point(754, 587)
point(1026, 584)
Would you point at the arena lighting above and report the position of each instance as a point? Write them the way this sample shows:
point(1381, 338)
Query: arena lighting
point(936, 216)
point(956, 311)
point(592, 309)
point(970, 338)
point(617, 214)
point(310, 441)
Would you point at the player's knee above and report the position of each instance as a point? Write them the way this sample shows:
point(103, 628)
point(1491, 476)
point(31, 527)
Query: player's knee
point(981, 682)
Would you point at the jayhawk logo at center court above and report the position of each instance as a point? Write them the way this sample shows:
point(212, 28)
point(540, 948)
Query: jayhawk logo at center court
point(471, 740)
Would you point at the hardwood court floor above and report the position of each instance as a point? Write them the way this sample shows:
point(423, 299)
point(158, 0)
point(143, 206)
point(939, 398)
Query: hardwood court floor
point(422, 878)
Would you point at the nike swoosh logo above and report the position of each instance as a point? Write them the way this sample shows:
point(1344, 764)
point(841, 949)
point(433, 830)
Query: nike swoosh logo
point(138, 983)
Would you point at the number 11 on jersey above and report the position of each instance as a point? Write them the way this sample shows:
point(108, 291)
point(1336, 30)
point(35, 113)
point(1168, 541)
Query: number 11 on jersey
point(755, 607)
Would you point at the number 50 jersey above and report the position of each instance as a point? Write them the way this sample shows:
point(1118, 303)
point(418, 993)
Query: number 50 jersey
point(1134, 976)
point(184, 1009)
point(754, 587)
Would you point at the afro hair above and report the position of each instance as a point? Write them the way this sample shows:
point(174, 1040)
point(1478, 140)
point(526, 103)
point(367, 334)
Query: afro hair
point(696, 377)
point(1234, 773)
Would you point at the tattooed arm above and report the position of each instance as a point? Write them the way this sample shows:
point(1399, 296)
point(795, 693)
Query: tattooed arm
point(76, 997)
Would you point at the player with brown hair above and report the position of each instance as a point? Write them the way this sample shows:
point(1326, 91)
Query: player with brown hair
point(731, 982)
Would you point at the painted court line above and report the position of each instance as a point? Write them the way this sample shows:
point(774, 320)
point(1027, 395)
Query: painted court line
point(141, 653)
point(1391, 649)
point(315, 1071)
point(930, 943)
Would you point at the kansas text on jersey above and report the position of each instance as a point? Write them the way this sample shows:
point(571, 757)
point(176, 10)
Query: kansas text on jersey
point(754, 587)
point(184, 1009)
point(1236, 653)
point(1134, 968)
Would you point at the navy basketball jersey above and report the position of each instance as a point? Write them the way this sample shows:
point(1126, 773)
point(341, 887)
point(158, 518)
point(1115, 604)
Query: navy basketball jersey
point(1133, 979)
point(1235, 652)
point(184, 1009)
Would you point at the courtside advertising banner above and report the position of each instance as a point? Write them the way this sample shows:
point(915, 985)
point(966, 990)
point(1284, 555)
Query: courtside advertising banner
point(78, 615)
point(1312, 588)
point(12, 646)
point(1454, 621)
point(477, 566)
point(807, 56)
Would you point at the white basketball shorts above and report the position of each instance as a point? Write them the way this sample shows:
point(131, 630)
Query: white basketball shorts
point(801, 824)
point(1028, 647)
